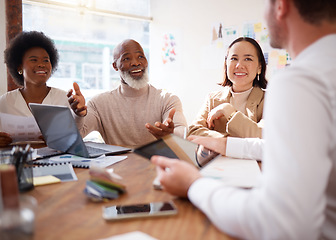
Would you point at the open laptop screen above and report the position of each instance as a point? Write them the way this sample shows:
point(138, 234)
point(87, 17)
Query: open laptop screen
point(60, 132)
point(58, 127)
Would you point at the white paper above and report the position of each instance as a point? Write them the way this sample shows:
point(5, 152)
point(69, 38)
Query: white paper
point(20, 128)
point(131, 236)
point(106, 161)
point(233, 172)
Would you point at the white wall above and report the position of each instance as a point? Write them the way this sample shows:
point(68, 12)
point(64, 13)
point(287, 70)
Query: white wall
point(3, 74)
point(195, 73)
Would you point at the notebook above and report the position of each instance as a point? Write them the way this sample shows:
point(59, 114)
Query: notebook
point(81, 162)
point(64, 172)
point(60, 132)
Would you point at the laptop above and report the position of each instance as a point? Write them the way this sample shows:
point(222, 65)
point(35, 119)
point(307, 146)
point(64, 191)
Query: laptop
point(60, 132)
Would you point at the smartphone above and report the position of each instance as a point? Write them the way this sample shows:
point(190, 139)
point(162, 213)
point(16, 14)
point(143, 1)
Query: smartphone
point(139, 210)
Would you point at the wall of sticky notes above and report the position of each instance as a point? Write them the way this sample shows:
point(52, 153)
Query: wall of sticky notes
point(223, 35)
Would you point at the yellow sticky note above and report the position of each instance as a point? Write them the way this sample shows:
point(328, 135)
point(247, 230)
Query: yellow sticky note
point(282, 60)
point(219, 44)
point(257, 27)
point(44, 180)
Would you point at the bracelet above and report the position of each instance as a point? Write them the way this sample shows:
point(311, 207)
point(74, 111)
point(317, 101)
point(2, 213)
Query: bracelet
point(233, 113)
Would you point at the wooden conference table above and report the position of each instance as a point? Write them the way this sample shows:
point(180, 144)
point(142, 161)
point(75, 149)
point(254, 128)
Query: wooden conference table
point(64, 212)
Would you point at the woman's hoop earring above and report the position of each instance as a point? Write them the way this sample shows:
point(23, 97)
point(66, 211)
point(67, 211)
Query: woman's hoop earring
point(20, 72)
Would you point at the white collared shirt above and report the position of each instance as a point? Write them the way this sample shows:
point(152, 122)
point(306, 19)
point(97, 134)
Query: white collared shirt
point(13, 102)
point(246, 148)
point(296, 198)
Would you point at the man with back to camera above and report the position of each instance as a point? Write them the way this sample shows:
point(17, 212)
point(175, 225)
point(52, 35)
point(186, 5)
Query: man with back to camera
point(296, 197)
point(135, 113)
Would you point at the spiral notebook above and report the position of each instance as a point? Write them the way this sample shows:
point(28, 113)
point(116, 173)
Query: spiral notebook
point(64, 172)
point(63, 159)
point(80, 162)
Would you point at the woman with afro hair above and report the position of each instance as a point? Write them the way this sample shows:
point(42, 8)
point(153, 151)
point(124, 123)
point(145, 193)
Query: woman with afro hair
point(31, 58)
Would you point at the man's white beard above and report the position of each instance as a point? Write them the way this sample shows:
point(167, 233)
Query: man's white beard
point(135, 83)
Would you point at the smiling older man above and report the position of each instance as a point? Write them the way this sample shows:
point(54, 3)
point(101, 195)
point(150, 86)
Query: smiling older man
point(135, 113)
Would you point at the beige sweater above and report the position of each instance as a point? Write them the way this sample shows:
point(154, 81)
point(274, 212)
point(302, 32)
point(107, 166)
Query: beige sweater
point(120, 115)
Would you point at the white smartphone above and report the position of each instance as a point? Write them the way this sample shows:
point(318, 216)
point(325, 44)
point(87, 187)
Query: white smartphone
point(139, 210)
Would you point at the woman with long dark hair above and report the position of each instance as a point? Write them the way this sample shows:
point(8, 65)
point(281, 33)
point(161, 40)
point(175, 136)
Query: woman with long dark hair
point(236, 110)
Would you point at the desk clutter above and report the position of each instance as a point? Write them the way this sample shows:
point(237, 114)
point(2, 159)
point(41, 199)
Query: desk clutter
point(21, 159)
point(30, 174)
point(96, 184)
point(17, 213)
point(19, 173)
point(103, 185)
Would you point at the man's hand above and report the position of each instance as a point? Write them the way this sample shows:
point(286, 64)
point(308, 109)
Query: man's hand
point(214, 144)
point(5, 139)
point(162, 129)
point(175, 176)
point(77, 101)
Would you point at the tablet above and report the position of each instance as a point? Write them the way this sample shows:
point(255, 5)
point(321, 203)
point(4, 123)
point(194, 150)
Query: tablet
point(173, 146)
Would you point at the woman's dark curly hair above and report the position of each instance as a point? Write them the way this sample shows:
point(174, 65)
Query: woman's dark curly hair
point(20, 44)
point(262, 82)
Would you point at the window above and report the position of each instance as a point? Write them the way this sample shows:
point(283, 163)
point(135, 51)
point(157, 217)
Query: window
point(85, 33)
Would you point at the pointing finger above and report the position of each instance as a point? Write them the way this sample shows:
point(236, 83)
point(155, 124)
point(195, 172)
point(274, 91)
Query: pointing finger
point(77, 89)
point(172, 113)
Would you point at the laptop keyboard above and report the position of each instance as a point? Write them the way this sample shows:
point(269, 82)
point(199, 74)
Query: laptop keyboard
point(95, 151)
point(46, 152)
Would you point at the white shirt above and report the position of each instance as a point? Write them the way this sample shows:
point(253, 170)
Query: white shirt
point(246, 148)
point(296, 198)
point(13, 102)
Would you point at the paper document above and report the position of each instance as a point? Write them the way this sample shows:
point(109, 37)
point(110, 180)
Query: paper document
point(102, 161)
point(233, 172)
point(131, 236)
point(20, 128)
